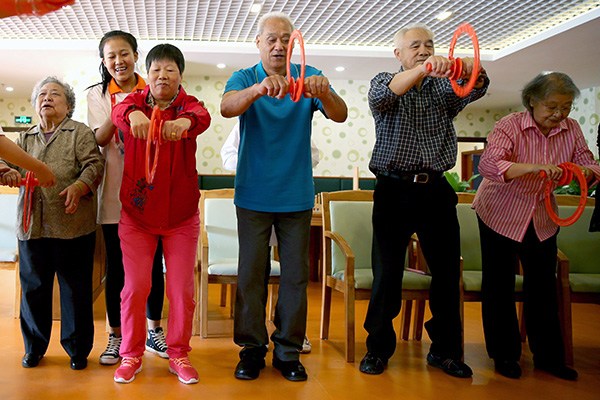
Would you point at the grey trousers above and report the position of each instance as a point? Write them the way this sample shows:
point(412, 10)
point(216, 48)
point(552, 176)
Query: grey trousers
point(254, 230)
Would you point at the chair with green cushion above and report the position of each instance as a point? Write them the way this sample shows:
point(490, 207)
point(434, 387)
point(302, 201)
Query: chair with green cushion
point(578, 269)
point(347, 238)
point(218, 252)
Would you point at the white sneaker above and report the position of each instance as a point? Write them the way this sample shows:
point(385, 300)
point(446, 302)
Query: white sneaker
point(111, 356)
point(306, 346)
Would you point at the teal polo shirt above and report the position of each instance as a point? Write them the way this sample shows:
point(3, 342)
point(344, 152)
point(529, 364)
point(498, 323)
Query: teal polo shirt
point(274, 171)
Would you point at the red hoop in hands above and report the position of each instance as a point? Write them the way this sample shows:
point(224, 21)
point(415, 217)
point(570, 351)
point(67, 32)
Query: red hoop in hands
point(457, 67)
point(569, 169)
point(296, 86)
point(30, 182)
point(154, 138)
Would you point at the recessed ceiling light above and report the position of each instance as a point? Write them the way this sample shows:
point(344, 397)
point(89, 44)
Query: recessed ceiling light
point(255, 8)
point(444, 15)
point(221, 65)
point(9, 89)
point(340, 69)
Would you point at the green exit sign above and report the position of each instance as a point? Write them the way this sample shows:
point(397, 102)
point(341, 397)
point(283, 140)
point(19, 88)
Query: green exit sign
point(22, 119)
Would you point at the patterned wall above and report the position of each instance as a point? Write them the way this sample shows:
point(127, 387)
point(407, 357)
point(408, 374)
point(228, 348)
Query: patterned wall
point(342, 146)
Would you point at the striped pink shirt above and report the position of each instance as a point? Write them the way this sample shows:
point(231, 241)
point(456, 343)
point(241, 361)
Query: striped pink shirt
point(508, 207)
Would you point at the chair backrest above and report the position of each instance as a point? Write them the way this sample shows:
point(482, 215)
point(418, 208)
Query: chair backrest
point(579, 245)
point(470, 245)
point(8, 221)
point(218, 219)
point(349, 213)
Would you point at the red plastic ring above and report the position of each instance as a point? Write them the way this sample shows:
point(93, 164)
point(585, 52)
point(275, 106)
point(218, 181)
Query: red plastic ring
point(463, 91)
point(296, 89)
point(153, 138)
point(30, 182)
point(569, 170)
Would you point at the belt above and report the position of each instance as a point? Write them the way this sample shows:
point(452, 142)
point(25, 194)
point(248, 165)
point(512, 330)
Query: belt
point(413, 177)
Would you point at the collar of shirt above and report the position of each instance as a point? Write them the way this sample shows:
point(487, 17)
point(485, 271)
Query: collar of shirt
point(113, 88)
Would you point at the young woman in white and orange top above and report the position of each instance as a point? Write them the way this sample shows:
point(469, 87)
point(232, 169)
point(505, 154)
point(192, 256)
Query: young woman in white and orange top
point(119, 53)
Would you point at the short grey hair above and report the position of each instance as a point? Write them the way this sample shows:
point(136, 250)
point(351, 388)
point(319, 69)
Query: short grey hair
point(69, 93)
point(547, 84)
point(400, 34)
point(271, 15)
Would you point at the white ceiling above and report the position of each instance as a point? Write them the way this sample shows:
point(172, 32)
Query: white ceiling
point(517, 39)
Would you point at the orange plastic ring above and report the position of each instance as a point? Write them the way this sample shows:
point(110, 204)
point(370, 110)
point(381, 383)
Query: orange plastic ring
point(463, 91)
point(30, 182)
point(154, 138)
point(569, 170)
point(296, 89)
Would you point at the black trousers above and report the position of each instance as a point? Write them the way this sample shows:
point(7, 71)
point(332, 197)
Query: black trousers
point(72, 261)
point(115, 279)
point(500, 256)
point(400, 209)
point(254, 230)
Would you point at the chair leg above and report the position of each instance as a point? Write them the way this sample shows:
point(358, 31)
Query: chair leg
point(232, 295)
point(325, 311)
point(203, 306)
point(350, 330)
point(18, 291)
point(419, 320)
point(522, 328)
point(405, 319)
point(273, 296)
point(223, 301)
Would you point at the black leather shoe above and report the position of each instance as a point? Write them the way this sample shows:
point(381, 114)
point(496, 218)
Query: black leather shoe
point(372, 365)
point(452, 367)
point(249, 368)
point(291, 370)
point(78, 363)
point(560, 371)
point(31, 360)
point(509, 369)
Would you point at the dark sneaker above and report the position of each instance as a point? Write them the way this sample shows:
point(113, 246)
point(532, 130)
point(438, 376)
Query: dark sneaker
point(452, 367)
point(372, 364)
point(111, 356)
point(156, 343)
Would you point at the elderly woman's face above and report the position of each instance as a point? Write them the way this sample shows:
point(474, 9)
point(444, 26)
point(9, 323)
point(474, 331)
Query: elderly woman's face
point(165, 78)
point(51, 103)
point(551, 111)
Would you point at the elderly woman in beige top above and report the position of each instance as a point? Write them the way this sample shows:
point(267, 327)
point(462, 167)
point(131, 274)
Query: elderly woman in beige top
point(61, 236)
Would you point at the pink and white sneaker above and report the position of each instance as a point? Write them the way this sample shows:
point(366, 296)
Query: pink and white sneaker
point(130, 366)
point(182, 367)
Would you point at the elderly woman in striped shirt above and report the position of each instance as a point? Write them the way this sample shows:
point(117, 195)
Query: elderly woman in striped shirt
point(514, 224)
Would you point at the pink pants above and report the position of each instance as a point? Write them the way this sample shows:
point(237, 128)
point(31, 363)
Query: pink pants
point(138, 244)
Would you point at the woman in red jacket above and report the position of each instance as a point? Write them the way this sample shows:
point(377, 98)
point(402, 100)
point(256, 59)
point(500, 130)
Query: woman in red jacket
point(166, 208)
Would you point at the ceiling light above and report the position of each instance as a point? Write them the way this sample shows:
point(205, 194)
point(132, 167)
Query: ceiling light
point(444, 15)
point(221, 65)
point(9, 88)
point(340, 69)
point(255, 8)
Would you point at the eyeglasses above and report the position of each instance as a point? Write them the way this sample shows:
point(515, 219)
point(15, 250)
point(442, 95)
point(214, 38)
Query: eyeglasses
point(564, 110)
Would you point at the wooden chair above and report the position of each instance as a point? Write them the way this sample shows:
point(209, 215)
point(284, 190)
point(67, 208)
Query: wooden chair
point(578, 269)
point(218, 254)
point(347, 238)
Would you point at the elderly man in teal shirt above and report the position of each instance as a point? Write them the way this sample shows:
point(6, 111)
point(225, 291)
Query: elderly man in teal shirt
point(274, 188)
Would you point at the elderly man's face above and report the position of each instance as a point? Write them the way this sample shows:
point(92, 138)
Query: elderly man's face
point(51, 102)
point(272, 44)
point(416, 47)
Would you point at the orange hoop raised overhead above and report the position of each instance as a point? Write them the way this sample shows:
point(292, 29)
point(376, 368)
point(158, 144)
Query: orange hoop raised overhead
point(296, 89)
point(569, 170)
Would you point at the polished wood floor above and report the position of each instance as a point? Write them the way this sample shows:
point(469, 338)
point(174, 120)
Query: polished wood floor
point(407, 377)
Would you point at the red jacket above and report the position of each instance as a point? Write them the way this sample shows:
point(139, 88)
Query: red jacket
point(173, 196)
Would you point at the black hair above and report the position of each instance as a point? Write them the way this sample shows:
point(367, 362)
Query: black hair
point(546, 84)
point(165, 52)
point(128, 37)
